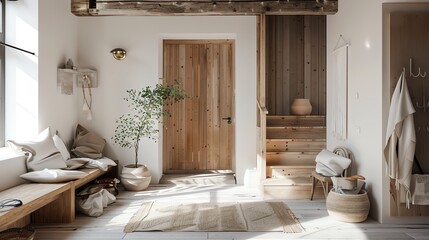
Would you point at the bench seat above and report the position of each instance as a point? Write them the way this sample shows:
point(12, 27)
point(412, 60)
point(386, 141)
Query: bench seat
point(44, 203)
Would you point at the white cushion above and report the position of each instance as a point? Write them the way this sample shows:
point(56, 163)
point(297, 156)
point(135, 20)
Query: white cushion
point(12, 164)
point(41, 152)
point(59, 144)
point(53, 175)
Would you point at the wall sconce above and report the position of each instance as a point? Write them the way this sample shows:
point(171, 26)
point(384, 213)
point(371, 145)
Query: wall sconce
point(119, 53)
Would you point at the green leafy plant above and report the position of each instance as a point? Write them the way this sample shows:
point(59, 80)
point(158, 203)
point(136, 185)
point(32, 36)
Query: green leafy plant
point(146, 109)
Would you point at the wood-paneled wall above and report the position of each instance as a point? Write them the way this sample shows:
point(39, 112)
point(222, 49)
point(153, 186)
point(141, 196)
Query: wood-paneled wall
point(409, 39)
point(296, 62)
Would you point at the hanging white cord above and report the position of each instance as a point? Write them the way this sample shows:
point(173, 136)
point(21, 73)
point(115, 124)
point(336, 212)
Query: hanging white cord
point(87, 105)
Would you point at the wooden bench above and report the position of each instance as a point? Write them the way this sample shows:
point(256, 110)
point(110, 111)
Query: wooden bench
point(44, 203)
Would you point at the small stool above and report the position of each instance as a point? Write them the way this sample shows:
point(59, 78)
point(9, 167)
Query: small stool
point(315, 177)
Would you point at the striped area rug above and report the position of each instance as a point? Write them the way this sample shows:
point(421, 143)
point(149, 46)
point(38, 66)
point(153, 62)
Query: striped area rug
point(214, 217)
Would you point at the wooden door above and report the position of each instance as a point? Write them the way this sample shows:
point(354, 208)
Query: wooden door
point(200, 133)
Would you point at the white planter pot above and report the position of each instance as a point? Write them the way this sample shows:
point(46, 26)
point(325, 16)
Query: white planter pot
point(135, 179)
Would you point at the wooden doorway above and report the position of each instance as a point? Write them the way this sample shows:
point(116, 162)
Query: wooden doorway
point(200, 133)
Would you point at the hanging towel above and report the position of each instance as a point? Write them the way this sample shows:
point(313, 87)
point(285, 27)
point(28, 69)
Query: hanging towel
point(400, 137)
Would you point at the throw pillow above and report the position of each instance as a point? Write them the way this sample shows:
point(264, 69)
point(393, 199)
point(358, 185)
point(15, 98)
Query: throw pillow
point(87, 144)
point(40, 153)
point(61, 146)
point(53, 175)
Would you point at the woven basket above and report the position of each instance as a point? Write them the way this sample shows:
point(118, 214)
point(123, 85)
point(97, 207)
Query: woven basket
point(348, 207)
point(26, 233)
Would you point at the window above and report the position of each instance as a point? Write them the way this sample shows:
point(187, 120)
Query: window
point(2, 74)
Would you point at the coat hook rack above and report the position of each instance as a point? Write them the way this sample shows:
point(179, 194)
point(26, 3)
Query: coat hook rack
point(423, 129)
point(419, 74)
point(424, 104)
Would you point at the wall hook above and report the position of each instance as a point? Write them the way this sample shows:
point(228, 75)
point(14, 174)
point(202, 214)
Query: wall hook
point(424, 104)
point(419, 74)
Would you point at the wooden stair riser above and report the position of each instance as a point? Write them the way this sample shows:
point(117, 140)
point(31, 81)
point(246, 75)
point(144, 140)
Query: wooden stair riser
point(296, 132)
point(280, 172)
point(291, 159)
point(292, 192)
point(283, 121)
point(288, 181)
point(293, 145)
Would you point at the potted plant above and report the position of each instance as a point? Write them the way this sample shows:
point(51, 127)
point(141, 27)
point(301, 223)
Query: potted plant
point(146, 110)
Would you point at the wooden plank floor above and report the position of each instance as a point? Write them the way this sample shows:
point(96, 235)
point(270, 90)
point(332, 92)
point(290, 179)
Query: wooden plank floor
point(311, 214)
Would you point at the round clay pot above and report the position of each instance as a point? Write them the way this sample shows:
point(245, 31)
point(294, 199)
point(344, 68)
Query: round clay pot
point(301, 107)
point(135, 179)
point(348, 207)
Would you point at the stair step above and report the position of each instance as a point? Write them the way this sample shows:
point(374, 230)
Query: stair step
point(301, 192)
point(296, 132)
point(291, 158)
point(279, 121)
point(295, 145)
point(291, 188)
point(288, 181)
point(284, 172)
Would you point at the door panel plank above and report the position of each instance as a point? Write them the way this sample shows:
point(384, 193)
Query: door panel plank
point(195, 107)
point(203, 106)
point(188, 128)
point(182, 124)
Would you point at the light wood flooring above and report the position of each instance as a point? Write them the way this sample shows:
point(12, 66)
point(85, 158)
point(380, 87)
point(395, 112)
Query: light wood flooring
point(312, 215)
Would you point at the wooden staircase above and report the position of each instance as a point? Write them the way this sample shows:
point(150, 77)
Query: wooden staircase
point(292, 145)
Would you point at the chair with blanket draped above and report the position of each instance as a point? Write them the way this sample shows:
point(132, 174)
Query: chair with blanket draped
point(330, 164)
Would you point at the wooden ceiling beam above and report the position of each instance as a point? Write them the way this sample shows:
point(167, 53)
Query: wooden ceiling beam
point(202, 7)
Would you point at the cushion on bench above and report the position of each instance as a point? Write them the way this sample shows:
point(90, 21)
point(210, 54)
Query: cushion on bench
point(12, 165)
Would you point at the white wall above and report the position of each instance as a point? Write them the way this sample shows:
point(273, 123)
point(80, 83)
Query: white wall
point(47, 28)
point(142, 38)
point(58, 37)
point(21, 70)
point(363, 31)
point(360, 23)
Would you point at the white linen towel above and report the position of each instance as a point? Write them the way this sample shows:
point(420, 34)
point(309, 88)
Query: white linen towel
point(400, 137)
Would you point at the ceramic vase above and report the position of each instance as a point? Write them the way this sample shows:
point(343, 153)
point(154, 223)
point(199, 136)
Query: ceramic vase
point(135, 179)
point(301, 107)
point(351, 208)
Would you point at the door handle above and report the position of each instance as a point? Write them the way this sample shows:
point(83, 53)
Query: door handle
point(229, 119)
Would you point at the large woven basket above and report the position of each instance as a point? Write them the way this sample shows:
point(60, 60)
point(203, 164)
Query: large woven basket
point(348, 207)
point(26, 233)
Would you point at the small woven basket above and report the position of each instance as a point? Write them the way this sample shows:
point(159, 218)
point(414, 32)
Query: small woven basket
point(348, 207)
point(25, 233)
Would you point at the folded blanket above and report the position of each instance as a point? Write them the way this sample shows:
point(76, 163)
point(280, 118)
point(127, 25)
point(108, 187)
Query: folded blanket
point(331, 164)
point(82, 162)
point(419, 189)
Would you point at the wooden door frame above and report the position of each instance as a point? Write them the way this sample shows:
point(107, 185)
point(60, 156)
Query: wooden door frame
point(260, 97)
point(233, 78)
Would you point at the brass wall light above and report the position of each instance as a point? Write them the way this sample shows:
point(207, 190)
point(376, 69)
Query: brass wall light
point(119, 53)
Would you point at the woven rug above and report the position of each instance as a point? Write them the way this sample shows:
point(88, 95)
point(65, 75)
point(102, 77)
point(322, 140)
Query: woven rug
point(214, 217)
